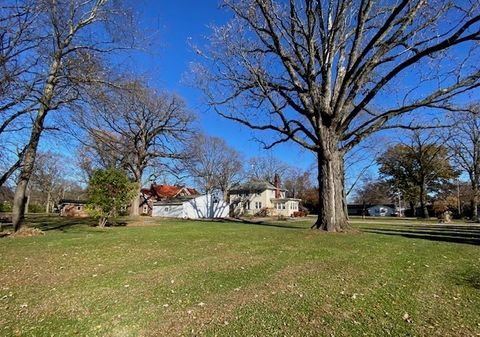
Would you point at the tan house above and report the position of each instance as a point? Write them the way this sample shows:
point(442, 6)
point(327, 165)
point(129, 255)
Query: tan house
point(259, 197)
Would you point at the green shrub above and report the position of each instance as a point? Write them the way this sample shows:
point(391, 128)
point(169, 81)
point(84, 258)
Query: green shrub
point(36, 208)
point(108, 190)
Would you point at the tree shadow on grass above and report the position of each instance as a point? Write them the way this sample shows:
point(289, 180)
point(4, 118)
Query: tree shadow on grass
point(286, 224)
point(50, 223)
point(64, 224)
point(69, 223)
point(469, 277)
point(455, 234)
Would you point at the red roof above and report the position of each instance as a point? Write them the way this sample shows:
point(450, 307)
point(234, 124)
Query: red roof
point(169, 191)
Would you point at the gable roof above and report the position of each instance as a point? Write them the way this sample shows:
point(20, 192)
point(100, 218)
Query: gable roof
point(254, 186)
point(169, 191)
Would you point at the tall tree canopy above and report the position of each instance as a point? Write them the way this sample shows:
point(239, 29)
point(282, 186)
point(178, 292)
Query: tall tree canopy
point(213, 164)
point(134, 128)
point(418, 167)
point(326, 74)
point(374, 192)
point(266, 167)
point(72, 42)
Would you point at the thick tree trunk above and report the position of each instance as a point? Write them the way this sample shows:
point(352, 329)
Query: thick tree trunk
point(332, 212)
point(27, 202)
point(47, 207)
point(135, 203)
point(475, 205)
point(423, 203)
point(412, 209)
point(19, 200)
point(225, 195)
point(18, 211)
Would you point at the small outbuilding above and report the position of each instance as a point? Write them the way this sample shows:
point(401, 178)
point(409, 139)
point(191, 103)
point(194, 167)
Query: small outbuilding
point(73, 208)
point(192, 207)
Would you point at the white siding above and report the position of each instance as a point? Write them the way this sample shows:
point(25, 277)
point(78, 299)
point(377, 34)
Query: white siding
point(202, 207)
point(380, 210)
point(168, 211)
point(206, 206)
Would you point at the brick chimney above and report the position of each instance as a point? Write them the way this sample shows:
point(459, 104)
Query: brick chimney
point(277, 186)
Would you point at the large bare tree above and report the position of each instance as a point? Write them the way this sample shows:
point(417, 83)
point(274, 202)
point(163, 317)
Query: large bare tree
point(266, 167)
point(464, 143)
point(18, 39)
point(326, 74)
point(132, 127)
point(213, 164)
point(48, 178)
point(77, 36)
point(420, 165)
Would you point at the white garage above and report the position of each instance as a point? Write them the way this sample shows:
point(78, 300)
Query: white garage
point(201, 207)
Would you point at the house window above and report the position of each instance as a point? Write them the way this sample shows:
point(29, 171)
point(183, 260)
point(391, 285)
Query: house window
point(79, 208)
point(166, 209)
point(283, 205)
point(145, 209)
point(259, 204)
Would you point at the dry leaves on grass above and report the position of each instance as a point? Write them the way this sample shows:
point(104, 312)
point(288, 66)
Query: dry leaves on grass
point(26, 232)
point(406, 317)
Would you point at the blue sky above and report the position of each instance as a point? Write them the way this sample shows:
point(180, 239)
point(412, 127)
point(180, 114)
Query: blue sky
point(178, 24)
point(173, 27)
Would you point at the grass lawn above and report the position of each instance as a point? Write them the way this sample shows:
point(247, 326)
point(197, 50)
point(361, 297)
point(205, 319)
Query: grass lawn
point(234, 279)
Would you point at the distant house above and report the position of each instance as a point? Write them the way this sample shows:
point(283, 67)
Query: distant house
point(372, 209)
point(381, 210)
point(259, 197)
point(357, 209)
point(72, 208)
point(192, 207)
point(157, 193)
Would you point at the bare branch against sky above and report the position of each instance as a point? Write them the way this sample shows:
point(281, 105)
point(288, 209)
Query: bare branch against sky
point(327, 74)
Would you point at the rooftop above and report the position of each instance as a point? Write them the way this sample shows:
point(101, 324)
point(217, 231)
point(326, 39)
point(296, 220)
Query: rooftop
point(169, 191)
point(254, 185)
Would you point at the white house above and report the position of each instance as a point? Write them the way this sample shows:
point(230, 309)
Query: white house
point(381, 210)
point(259, 197)
point(192, 207)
